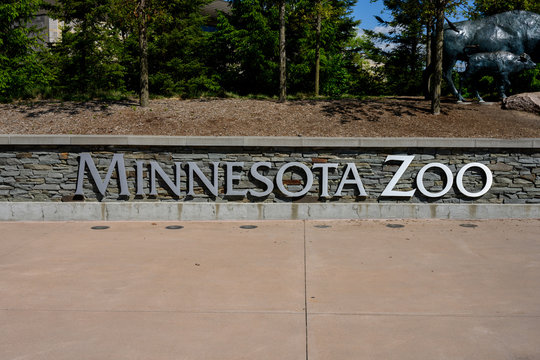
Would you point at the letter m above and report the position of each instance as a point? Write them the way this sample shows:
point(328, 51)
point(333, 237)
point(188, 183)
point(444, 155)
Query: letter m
point(117, 161)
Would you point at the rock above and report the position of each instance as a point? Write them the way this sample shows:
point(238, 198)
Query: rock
point(529, 102)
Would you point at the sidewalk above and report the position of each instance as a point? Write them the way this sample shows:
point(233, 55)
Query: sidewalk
point(212, 290)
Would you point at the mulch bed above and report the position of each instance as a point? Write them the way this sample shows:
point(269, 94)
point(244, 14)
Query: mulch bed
point(378, 117)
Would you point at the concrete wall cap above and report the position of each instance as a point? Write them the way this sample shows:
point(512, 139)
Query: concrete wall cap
point(99, 140)
point(253, 141)
point(504, 143)
point(39, 139)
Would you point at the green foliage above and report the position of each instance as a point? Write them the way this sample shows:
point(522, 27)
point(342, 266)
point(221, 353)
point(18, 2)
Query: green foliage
point(87, 58)
point(178, 52)
point(336, 78)
point(99, 52)
point(527, 81)
point(246, 46)
point(492, 7)
point(21, 68)
point(98, 55)
point(404, 56)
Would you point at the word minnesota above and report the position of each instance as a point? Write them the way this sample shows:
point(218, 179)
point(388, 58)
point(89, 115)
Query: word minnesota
point(233, 173)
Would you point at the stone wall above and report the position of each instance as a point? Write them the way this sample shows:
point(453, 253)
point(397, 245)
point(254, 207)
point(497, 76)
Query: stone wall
point(48, 173)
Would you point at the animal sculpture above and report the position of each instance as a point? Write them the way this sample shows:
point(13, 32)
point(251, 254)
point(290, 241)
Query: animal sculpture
point(500, 64)
point(517, 32)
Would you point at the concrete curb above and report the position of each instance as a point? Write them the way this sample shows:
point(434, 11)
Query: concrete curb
point(155, 211)
point(274, 142)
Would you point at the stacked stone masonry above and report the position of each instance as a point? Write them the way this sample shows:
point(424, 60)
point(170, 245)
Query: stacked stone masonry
point(47, 173)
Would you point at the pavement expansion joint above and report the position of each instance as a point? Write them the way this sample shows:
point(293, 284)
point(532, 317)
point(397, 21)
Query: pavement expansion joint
point(239, 312)
point(457, 315)
point(306, 314)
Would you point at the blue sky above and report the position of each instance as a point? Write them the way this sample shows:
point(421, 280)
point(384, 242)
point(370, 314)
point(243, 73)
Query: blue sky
point(365, 11)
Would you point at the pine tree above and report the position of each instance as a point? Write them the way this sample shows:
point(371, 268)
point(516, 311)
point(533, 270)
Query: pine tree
point(403, 65)
point(180, 51)
point(439, 9)
point(282, 52)
point(492, 7)
point(21, 67)
point(88, 54)
point(248, 40)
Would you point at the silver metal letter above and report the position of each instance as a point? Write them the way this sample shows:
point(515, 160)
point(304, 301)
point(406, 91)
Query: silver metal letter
point(351, 167)
point(324, 177)
point(230, 191)
point(489, 180)
point(258, 176)
point(389, 190)
point(193, 168)
point(117, 160)
point(140, 188)
point(420, 180)
point(307, 186)
point(154, 167)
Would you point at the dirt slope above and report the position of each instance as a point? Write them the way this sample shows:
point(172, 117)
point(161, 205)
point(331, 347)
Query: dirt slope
point(381, 117)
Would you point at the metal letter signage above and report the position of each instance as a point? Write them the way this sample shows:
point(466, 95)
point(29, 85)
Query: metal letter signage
point(281, 186)
point(351, 168)
point(420, 180)
point(86, 161)
point(389, 191)
point(489, 180)
point(264, 185)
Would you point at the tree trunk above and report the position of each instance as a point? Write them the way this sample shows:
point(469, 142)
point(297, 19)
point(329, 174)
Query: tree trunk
point(282, 54)
point(318, 49)
point(429, 55)
point(83, 71)
point(438, 65)
point(143, 53)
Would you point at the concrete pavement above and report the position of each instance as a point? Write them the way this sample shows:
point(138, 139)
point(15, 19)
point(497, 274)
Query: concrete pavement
point(400, 289)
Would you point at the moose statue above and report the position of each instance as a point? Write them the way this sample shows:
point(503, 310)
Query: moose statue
point(500, 64)
point(515, 32)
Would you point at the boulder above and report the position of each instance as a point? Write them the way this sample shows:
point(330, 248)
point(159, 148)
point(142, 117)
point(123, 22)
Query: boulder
point(529, 102)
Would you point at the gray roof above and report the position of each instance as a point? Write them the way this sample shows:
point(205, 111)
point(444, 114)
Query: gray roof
point(212, 9)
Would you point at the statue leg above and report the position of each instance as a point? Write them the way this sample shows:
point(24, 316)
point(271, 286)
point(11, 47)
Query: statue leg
point(475, 82)
point(461, 79)
point(465, 78)
point(478, 96)
point(427, 76)
point(505, 83)
point(448, 66)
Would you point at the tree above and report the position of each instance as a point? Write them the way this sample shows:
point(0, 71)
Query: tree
point(492, 7)
point(319, 10)
point(135, 16)
point(142, 16)
point(332, 13)
point(88, 54)
point(246, 48)
point(181, 53)
point(319, 46)
point(282, 53)
point(248, 43)
point(439, 9)
point(428, 13)
point(21, 67)
point(404, 63)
